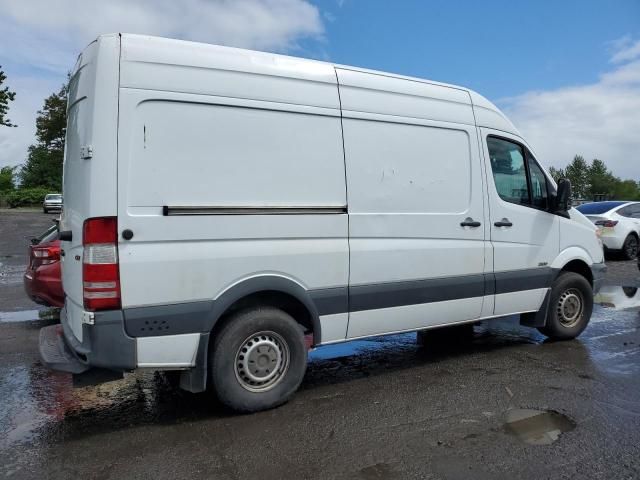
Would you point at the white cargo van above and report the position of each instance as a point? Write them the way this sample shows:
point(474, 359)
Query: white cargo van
point(221, 204)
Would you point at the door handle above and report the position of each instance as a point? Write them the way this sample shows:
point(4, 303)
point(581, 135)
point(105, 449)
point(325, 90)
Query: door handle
point(470, 222)
point(504, 223)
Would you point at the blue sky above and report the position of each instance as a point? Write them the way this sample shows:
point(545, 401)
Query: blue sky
point(499, 48)
point(566, 72)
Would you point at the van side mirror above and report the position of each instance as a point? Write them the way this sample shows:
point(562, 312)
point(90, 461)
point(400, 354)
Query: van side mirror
point(562, 201)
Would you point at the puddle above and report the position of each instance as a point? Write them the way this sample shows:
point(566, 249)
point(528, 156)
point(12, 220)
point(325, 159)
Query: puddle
point(30, 315)
point(362, 347)
point(537, 427)
point(618, 298)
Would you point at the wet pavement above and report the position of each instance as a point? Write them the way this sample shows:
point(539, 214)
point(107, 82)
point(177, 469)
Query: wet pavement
point(492, 401)
point(379, 408)
point(17, 227)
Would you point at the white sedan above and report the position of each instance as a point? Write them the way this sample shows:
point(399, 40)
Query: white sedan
point(619, 224)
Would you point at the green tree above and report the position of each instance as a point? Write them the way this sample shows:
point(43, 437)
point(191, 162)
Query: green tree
point(43, 167)
point(6, 96)
point(556, 173)
point(7, 179)
point(578, 173)
point(626, 190)
point(601, 180)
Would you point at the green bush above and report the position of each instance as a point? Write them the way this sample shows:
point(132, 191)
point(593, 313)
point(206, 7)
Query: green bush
point(26, 197)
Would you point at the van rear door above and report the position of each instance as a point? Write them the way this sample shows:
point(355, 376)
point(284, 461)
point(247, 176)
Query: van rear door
point(90, 166)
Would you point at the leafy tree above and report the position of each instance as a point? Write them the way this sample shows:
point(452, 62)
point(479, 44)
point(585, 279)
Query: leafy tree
point(6, 96)
point(7, 180)
point(557, 173)
point(601, 180)
point(626, 190)
point(43, 167)
point(596, 181)
point(578, 172)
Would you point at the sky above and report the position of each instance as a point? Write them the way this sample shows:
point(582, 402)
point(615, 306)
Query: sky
point(567, 73)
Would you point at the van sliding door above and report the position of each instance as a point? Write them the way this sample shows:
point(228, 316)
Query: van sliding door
point(416, 204)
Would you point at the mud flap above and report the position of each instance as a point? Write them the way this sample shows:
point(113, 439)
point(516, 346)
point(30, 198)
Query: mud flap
point(539, 318)
point(194, 380)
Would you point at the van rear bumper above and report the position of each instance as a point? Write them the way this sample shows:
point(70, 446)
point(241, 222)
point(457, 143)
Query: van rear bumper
point(55, 354)
point(105, 344)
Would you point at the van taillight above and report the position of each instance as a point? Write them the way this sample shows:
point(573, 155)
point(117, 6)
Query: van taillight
point(100, 271)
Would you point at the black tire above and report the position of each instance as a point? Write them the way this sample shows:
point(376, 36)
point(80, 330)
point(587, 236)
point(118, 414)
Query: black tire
point(45, 210)
point(278, 336)
point(570, 307)
point(630, 247)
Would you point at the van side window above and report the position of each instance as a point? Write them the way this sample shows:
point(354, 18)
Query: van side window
point(509, 173)
point(538, 184)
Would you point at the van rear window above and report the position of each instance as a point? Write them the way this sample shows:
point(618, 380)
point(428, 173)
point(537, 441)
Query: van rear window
point(598, 207)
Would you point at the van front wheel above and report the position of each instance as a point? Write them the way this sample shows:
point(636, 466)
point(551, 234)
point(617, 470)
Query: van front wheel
point(570, 307)
point(259, 359)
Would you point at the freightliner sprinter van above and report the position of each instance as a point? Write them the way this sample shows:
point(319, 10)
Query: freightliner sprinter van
point(222, 205)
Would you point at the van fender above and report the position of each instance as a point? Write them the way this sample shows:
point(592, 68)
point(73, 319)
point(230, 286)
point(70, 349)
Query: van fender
point(195, 379)
point(570, 254)
point(264, 283)
point(539, 318)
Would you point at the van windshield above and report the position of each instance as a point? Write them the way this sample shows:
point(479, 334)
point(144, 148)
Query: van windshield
point(598, 207)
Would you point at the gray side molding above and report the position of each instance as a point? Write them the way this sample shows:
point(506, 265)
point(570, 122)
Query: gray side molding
point(202, 316)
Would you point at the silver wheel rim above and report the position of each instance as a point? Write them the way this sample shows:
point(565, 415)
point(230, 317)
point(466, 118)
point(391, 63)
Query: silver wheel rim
point(570, 307)
point(262, 361)
point(632, 248)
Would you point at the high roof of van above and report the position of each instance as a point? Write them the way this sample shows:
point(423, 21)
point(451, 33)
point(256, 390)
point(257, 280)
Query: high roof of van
point(149, 50)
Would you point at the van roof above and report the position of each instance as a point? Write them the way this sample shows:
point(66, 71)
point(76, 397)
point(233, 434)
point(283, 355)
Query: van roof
point(150, 49)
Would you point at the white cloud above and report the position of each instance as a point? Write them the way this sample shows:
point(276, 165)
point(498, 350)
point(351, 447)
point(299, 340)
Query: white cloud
point(47, 36)
point(625, 49)
point(597, 120)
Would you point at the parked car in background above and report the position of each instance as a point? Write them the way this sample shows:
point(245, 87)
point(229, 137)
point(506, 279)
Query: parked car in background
point(619, 222)
point(52, 201)
point(42, 280)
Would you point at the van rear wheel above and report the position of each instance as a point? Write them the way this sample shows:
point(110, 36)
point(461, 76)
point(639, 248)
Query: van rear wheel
point(570, 307)
point(259, 359)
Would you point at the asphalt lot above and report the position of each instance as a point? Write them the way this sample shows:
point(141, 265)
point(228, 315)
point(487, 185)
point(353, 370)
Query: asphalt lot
point(18, 227)
point(375, 409)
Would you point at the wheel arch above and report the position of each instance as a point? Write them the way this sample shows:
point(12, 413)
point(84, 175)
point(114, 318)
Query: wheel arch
point(574, 259)
point(273, 290)
point(581, 268)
